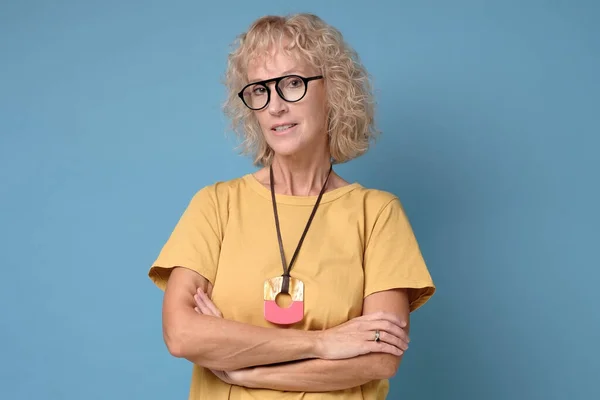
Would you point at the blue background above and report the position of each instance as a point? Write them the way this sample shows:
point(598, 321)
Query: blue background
point(110, 120)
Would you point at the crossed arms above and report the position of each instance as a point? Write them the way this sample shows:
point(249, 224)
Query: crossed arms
point(284, 359)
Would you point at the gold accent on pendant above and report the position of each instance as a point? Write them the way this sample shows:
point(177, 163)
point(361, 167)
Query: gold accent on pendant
point(273, 287)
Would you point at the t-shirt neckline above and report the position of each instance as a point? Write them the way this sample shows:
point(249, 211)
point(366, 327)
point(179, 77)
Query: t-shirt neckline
point(299, 200)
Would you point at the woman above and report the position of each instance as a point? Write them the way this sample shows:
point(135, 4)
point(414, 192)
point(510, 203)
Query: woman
point(291, 282)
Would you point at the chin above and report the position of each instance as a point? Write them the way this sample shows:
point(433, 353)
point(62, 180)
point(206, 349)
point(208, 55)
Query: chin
point(284, 146)
point(291, 145)
point(286, 151)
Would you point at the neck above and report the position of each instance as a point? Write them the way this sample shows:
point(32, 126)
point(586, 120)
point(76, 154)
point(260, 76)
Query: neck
point(297, 176)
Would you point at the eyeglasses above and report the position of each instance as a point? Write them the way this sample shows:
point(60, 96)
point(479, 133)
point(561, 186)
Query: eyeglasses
point(291, 88)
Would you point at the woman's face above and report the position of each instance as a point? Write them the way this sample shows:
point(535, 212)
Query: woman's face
point(291, 129)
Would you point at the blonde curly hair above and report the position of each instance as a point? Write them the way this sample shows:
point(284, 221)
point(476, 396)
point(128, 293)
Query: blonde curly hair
point(351, 124)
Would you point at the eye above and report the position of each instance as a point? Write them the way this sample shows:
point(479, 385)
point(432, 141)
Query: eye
point(258, 90)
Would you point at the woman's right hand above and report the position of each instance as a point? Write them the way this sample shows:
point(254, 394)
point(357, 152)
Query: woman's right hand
point(357, 337)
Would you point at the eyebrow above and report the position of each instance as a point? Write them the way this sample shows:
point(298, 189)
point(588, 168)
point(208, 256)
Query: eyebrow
point(292, 71)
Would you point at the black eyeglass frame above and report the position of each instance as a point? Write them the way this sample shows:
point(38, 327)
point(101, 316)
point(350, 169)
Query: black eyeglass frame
point(277, 80)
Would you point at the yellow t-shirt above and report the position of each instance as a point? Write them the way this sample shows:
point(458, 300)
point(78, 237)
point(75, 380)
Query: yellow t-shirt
point(360, 242)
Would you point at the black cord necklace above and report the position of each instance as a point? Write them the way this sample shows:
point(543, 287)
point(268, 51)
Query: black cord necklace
point(285, 283)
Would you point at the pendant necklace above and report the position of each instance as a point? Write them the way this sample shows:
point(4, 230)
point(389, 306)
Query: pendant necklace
point(285, 283)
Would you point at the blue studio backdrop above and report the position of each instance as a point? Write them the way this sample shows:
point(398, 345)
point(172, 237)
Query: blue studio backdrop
point(110, 120)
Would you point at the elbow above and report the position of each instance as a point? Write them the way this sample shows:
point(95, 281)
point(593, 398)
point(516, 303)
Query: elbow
point(175, 338)
point(389, 365)
point(179, 345)
point(182, 343)
point(174, 342)
point(175, 349)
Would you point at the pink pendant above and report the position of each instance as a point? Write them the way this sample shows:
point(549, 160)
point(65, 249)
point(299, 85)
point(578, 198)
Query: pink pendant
point(284, 316)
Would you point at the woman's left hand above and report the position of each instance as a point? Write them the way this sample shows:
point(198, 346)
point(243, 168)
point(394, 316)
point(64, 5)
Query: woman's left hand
point(205, 306)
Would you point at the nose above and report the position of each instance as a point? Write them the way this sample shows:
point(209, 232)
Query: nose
point(277, 105)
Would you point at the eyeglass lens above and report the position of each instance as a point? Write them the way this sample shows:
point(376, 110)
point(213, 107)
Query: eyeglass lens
point(291, 88)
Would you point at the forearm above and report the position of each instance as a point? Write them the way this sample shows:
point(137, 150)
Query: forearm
point(221, 344)
point(320, 375)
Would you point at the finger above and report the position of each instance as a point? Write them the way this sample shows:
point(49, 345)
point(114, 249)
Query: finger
point(389, 327)
point(206, 305)
point(385, 337)
point(197, 310)
point(198, 300)
point(399, 342)
point(397, 333)
point(381, 347)
point(392, 318)
point(208, 302)
point(384, 316)
point(369, 327)
point(201, 305)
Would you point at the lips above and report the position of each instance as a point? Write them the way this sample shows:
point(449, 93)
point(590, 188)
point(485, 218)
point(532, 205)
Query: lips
point(279, 128)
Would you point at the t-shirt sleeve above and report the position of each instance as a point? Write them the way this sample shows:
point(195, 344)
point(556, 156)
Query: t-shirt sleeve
point(194, 243)
point(393, 258)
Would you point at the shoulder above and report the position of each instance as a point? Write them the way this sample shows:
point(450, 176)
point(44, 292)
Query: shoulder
point(219, 191)
point(215, 199)
point(381, 210)
point(376, 200)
